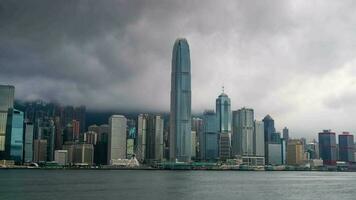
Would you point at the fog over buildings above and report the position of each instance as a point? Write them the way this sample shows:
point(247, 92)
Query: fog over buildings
point(294, 60)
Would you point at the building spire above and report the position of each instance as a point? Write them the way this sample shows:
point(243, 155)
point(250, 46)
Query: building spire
point(223, 89)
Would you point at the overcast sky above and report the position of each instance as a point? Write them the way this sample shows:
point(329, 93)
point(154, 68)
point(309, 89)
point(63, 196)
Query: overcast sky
point(294, 60)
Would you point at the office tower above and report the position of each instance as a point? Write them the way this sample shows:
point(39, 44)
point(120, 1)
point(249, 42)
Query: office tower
point(242, 133)
point(28, 154)
point(46, 131)
point(197, 127)
point(275, 154)
point(61, 157)
point(223, 113)
point(327, 147)
point(131, 129)
point(223, 117)
point(295, 152)
point(150, 137)
point(103, 132)
point(209, 144)
point(346, 147)
point(14, 135)
point(83, 153)
point(269, 128)
point(117, 138)
point(312, 150)
point(76, 130)
point(40, 150)
point(180, 114)
point(90, 137)
point(258, 139)
point(68, 133)
point(141, 137)
point(286, 134)
point(58, 133)
point(6, 102)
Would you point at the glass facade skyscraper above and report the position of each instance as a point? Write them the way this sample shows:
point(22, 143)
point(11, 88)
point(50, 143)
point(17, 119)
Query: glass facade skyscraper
point(209, 139)
point(223, 113)
point(346, 147)
point(6, 102)
point(243, 132)
point(327, 147)
point(180, 114)
point(15, 134)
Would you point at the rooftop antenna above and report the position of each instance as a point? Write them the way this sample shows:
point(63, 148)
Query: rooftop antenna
point(223, 89)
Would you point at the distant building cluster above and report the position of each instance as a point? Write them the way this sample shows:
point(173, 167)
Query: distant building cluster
point(48, 133)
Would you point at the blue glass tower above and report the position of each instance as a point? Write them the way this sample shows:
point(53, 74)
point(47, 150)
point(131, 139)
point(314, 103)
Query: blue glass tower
point(223, 113)
point(15, 135)
point(180, 115)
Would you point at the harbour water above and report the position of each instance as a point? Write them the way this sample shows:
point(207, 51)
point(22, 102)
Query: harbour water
point(174, 185)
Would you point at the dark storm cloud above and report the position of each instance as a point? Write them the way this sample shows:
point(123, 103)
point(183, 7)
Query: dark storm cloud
point(279, 57)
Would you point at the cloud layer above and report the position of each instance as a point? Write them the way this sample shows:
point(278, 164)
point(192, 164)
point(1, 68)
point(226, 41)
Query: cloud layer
point(292, 59)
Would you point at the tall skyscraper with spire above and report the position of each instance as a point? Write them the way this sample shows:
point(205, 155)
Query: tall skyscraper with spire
point(180, 114)
point(223, 117)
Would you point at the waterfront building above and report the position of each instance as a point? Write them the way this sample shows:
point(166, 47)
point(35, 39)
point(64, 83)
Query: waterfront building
point(327, 147)
point(312, 150)
point(79, 153)
point(243, 132)
point(346, 147)
point(180, 111)
point(6, 102)
point(117, 138)
point(197, 127)
point(194, 144)
point(275, 154)
point(209, 144)
point(28, 148)
point(61, 157)
point(39, 150)
point(150, 137)
point(101, 148)
point(14, 135)
point(295, 152)
point(258, 139)
point(224, 145)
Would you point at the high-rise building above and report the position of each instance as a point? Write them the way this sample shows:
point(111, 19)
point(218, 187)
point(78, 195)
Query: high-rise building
point(40, 150)
point(76, 130)
point(269, 128)
point(286, 134)
point(346, 147)
point(327, 147)
point(58, 133)
point(6, 102)
point(150, 137)
point(180, 114)
point(223, 117)
point(197, 127)
point(295, 152)
point(223, 113)
point(79, 153)
point(209, 139)
point(46, 131)
point(258, 139)
point(28, 149)
point(243, 132)
point(312, 150)
point(101, 148)
point(117, 138)
point(14, 135)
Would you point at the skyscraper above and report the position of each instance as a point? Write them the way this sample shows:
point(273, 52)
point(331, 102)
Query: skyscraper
point(28, 154)
point(346, 147)
point(14, 135)
point(6, 102)
point(223, 117)
point(243, 134)
point(327, 147)
point(117, 138)
point(269, 130)
point(258, 139)
point(180, 114)
point(295, 152)
point(209, 139)
point(223, 113)
point(286, 134)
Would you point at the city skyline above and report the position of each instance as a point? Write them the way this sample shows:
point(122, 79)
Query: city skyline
point(264, 61)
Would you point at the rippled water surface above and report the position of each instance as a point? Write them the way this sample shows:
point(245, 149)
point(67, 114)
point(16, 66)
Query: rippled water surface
point(174, 185)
